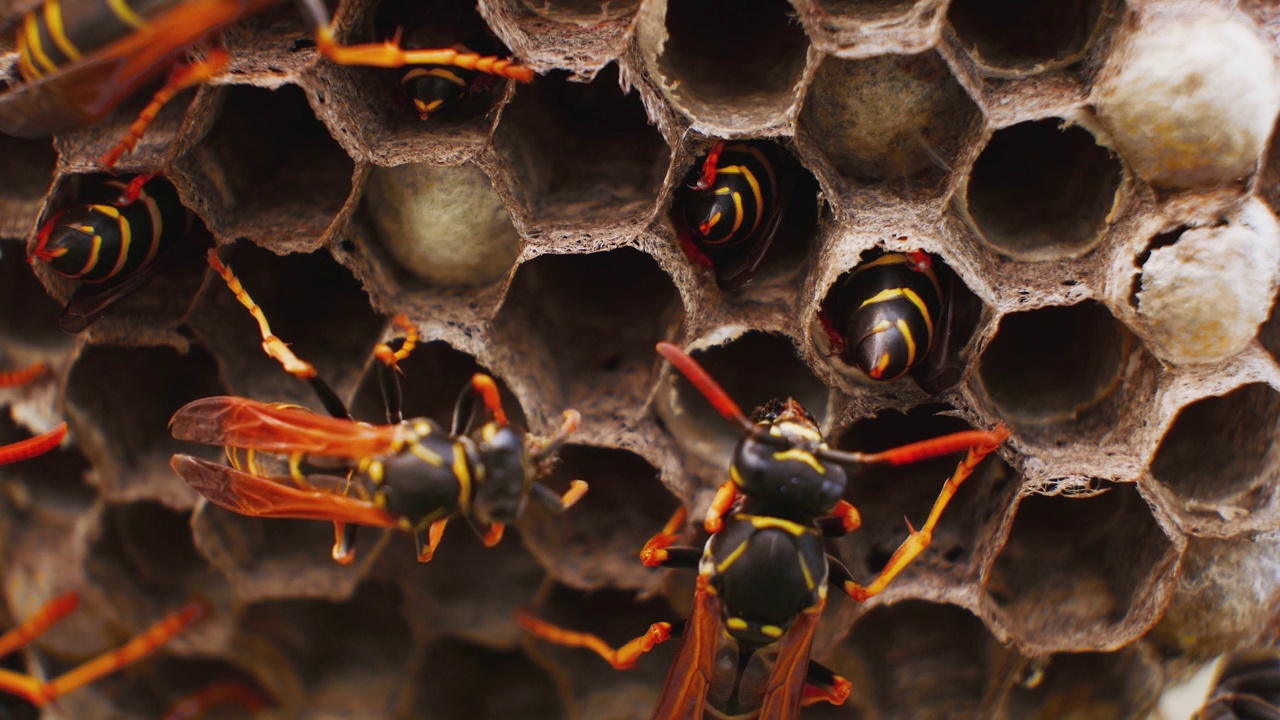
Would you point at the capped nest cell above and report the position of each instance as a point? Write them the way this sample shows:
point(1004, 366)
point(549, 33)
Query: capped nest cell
point(1095, 182)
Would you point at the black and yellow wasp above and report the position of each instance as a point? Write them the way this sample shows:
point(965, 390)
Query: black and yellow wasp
point(727, 219)
point(763, 574)
point(408, 474)
point(80, 59)
point(432, 88)
point(113, 240)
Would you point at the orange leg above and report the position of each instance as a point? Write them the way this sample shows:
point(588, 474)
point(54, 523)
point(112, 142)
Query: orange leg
point(654, 552)
point(720, 505)
point(427, 550)
point(32, 447)
point(918, 540)
point(272, 345)
point(847, 517)
point(390, 54)
point(36, 625)
point(488, 390)
point(198, 703)
point(710, 389)
point(837, 694)
point(133, 190)
point(621, 658)
point(14, 378)
point(709, 167)
point(923, 450)
point(493, 535)
point(182, 77)
point(391, 357)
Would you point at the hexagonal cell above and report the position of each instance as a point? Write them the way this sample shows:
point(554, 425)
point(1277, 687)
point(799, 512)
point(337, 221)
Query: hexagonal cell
point(1080, 686)
point(918, 660)
point(268, 169)
point(313, 304)
point(355, 671)
point(898, 121)
point(146, 385)
point(754, 368)
point(1012, 38)
point(582, 10)
point(51, 484)
point(374, 109)
point(1268, 334)
point(421, 213)
point(767, 164)
point(868, 11)
point(24, 179)
point(590, 322)
point(597, 542)
point(724, 64)
point(1082, 573)
point(1040, 191)
point(28, 316)
point(582, 152)
point(459, 680)
point(1066, 366)
point(940, 362)
point(884, 495)
point(1219, 456)
point(81, 149)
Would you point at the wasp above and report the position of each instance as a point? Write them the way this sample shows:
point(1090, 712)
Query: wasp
point(407, 474)
point(894, 314)
point(114, 240)
point(40, 444)
point(727, 219)
point(80, 61)
point(1248, 688)
point(26, 694)
point(432, 88)
point(763, 574)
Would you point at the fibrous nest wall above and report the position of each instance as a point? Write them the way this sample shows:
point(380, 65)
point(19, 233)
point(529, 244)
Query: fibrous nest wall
point(1119, 251)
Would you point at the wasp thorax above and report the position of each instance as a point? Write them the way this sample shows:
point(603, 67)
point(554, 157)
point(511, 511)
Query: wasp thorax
point(502, 475)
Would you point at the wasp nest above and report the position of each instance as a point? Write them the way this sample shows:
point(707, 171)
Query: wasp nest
point(1099, 177)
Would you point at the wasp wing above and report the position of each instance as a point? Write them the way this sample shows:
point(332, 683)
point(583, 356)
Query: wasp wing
point(685, 691)
point(91, 300)
point(256, 496)
point(785, 692)
point(249, 424)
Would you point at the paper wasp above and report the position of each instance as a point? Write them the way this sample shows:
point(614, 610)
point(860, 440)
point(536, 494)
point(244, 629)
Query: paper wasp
point(896, 313)
point(78, 66)
point(432, 88)
point(114, 240)
point(763, 574)
point(40, 444)
point(407, 474)
point(729, 216)
point(1247, 688)
point(26, 694)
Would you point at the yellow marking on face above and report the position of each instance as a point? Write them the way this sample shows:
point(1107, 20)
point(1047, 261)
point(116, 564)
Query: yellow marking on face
point(126, 14)
point(803, 456)
point(772, 631)
point(765, 522)
point(489, 431)
point(733, 556)
point(797, 429)
point(53, 21)
point(463, 474)
point(33, 43)
point(425, 454)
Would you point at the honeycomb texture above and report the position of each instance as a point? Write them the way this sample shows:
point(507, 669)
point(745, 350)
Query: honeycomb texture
point(527, 234)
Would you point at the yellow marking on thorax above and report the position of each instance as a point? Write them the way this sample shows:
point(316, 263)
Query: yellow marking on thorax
point(426, 455)
point(735, 476)
point(733, 556)
point(804, 569)
point(32, 28)
point(463, 474)
point(53, 21)
point(766, 522)
point(377, 472)
point(422, 428)
point(489, 431)
point(736, 624)
point(803, 456)
point(126, 14)
point(772, 631)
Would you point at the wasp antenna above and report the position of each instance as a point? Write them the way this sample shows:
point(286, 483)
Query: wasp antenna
point(707, 385)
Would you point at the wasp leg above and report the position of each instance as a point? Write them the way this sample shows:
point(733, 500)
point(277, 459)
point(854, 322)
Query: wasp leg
point(390, 54)
point(923, 450)
point(710, 166)
point(428, 542)
point(180, 79)
point(133, 190)
point(720, 504)
point(918, 540)
point(493, 534)
point(661, 550)
point(559, 503)
point(542, 448)
point(42, 693)
point(844, 519)
point(823, 685)
point(621, 658)
point(389, 355)
point(835, 338)
point(14, 378)
point(693, 252)
point(200, 702)
point(36, 625)
point(32, 447)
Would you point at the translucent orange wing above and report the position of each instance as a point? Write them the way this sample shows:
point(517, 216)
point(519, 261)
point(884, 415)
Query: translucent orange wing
point(685, 692)
point(783, 696)
point(256, 496)
point(252, 425)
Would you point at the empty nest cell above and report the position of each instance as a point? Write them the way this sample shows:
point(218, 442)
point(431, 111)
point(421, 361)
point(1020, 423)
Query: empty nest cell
point(1064, 366)
point(461, 681)
point(901, 121)
point(144, 554)
point(870, 10)
point(1121, 684)
point(25, 177)
point(1219, 455)
point(582, 151)
point(1041, 191)
point(574, 11)
point(754, 368)
point(28, 316)
point(1081, 573)
point(146, 385)
point(597, 542)
point(591, 320)
point(268, 169)
point(52, 483)
point(917, 660)
point(724, 63)
point(884, 495)
point(1013, 37)
point(162, 683)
